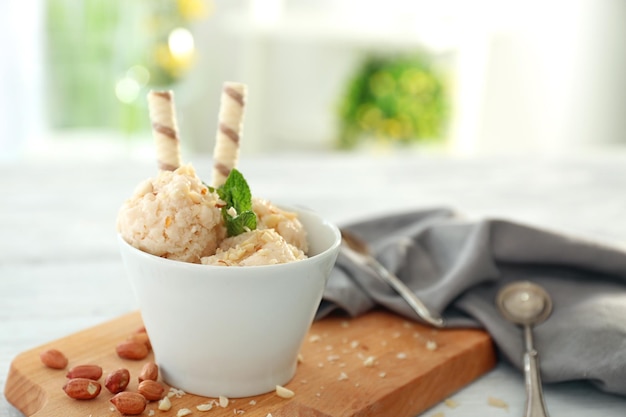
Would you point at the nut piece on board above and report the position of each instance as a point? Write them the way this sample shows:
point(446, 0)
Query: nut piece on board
point(150, 371)
point(82, 389)
point(53, 358)
point(132, 350)
point(129, 403)
point(93, 372)
point(284, 392)
point(152, 390)
point(117, 381)
point(141, 337)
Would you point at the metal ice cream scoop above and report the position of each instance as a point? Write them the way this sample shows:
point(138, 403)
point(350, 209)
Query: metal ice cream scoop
point(358, 251)
point(527, 304)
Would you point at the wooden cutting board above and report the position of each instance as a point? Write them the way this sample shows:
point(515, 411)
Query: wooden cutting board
point(415, 367)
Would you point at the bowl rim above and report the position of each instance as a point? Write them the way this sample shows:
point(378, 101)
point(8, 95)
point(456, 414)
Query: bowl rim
point(335, 245)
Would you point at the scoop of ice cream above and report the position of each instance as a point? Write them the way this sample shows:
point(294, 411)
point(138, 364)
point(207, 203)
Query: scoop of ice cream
point(174, 216)
point(286, 223)
point(256, 247)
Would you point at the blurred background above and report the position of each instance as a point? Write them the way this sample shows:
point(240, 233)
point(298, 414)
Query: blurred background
point(472, 77)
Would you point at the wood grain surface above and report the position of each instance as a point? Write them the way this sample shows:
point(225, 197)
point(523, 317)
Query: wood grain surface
point(414, 368)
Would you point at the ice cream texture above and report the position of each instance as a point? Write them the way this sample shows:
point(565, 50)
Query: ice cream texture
point(173, 215)
point(254, 248)
point(176, 216)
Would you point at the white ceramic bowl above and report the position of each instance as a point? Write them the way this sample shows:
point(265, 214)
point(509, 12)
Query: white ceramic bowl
point(232, 331)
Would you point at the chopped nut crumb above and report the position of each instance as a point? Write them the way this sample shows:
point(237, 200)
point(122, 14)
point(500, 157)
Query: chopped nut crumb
point(451, 403)
point(238, 411)
point(165, 404)
point(178, 393)
point(151, 412)
point(252, 402)
point(342, 376)
point(328, 347)
point(382, 374)
point(438, 414)
point(205, 406)
point(345, 324)
point(300, 358)
point(332, 358)
point(354, 344)
point(183, 412)
point(342, 365)
point(283, 392)
point(496, 402)
point(369, 361)
point(223, 401)
point(431, 345)
point(396, 335)
point(401, 355)
point(320, 365)
point(314, 338)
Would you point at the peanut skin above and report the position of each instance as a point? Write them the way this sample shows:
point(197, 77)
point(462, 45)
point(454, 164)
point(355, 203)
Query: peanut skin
point(53, 358)
point(82, 388)
point(129, 403)
point(132, 350)
point(117, 381)
point(93, 372)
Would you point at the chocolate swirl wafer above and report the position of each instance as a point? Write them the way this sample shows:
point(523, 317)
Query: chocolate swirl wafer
point(230, 120)
point(164, 129)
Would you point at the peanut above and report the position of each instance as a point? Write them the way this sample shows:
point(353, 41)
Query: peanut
point(117, 381)
point(53, 358)
point(141, 337)
point(150, 371)
point(129, 403)
point(82, 389)
point(151, 390)
point(132, 350)
point(93, 372)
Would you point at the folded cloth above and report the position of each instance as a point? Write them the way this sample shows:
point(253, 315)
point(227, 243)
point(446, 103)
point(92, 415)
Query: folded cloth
point(456, 266)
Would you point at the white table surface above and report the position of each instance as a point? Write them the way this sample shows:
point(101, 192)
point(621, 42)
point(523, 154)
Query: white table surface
point(60, 270)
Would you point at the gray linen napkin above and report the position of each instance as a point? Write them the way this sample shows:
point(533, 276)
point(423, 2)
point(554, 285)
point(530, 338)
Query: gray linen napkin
point(456, 266)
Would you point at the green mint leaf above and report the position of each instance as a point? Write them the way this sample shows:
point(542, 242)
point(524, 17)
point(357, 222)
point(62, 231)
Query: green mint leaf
point(235, 192)
point(237, 225)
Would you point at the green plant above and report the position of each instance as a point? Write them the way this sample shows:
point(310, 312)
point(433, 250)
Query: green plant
point(102, 56)
point(400, 99)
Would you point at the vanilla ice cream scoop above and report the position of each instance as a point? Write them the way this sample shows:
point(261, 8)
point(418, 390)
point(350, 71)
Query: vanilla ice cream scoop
point(173, 215)
point(253, 248)
point(284, 222)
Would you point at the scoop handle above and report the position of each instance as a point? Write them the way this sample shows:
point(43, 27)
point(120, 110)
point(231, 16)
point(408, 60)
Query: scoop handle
point(535, 405)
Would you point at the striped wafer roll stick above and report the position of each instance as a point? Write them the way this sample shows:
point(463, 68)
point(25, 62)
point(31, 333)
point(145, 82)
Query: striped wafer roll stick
point(230, 120)
point(164, 129)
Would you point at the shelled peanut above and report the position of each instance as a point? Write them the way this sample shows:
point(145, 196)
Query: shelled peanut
point(83, 380)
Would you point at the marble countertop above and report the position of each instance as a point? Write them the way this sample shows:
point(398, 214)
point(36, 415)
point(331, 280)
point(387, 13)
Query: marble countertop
point(60, 269)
